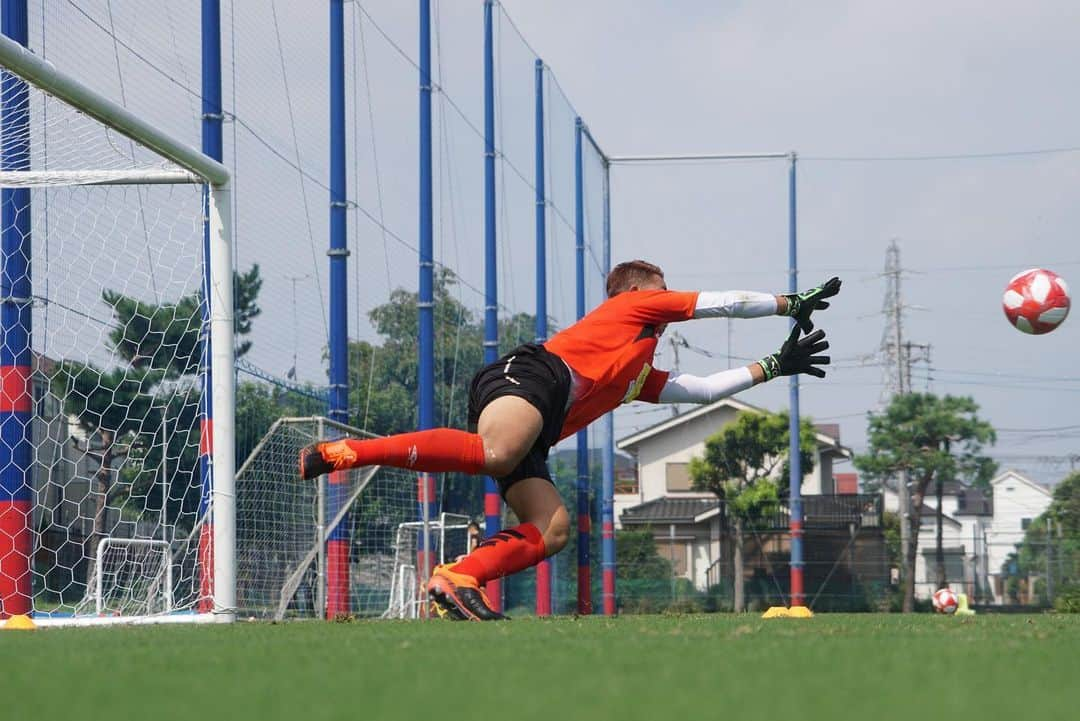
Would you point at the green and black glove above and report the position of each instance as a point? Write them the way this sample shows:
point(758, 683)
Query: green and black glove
point(801, 305)
point(797, 355)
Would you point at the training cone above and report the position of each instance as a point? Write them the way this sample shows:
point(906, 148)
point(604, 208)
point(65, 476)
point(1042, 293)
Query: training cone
point(962, 608)
point(793, 612)
point(19, 622)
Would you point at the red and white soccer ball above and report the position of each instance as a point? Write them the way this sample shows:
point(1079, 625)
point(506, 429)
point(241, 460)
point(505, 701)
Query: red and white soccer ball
point(945, 601)
point(1036, 301)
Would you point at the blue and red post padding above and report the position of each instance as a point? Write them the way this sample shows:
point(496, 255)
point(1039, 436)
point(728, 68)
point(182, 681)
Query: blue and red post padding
point(584, 527)
point(795, 481)
point(206, 531)
point(338, 540)
point(492, 500)
point(544, 568)
point(16, 451)
point(337, 548)
point(425, 545)
point(492, 525)
point(212, 145)
point(15, 497)
point(607, 530)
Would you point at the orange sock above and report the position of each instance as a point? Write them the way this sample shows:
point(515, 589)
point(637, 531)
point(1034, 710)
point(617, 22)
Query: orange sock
point(433, 451)
point(508, 551)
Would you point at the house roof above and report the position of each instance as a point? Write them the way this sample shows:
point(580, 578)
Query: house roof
point(667, 509)
point(1013, 475)
point(827, 435)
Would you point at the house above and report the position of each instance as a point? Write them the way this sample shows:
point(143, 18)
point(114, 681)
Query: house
point(689, 525)
point(1017, 501)
point(980, 528)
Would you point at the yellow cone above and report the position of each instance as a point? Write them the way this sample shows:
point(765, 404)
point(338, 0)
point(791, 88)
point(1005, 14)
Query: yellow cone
point(793, 612)
point(19, 622)
point(962, 605)
point(776, 612)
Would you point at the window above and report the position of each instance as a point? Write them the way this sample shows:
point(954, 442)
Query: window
point(675, 552)
point(626, 483)
point(678, 476)
point(1024, 523)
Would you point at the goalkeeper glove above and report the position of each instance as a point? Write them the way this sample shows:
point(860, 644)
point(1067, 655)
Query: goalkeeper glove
point(801, 305)
point(797, 355)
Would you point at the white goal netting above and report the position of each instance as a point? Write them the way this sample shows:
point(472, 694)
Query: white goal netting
point(103, 490)
point(345, 543)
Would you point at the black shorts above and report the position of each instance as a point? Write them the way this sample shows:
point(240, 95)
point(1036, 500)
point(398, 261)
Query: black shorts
point(530, 372)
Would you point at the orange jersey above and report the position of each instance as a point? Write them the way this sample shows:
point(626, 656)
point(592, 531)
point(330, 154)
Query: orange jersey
point(611, 351)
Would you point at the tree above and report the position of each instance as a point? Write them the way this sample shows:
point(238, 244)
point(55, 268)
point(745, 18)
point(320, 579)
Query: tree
point(930, 438)
point(1051, 545)
point(383, 384)
point(741, 465)
point(122, 408)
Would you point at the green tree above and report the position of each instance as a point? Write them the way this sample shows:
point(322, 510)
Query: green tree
point(1051, 545)
point(258, 405)
point(929, 438)
point(741, 465)
point(122, 409)
point(168, 336)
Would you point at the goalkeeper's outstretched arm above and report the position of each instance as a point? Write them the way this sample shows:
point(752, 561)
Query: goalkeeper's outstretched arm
point(797, 355)
point(750, 304)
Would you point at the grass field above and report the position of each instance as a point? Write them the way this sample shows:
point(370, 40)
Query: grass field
point(639, 667)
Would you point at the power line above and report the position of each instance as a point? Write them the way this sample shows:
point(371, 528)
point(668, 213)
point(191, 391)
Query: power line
point(947, 156)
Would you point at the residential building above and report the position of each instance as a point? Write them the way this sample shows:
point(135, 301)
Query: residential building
point(980, 528)
point(689, 525)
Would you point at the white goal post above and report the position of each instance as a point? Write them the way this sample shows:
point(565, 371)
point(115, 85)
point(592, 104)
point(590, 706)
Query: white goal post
point(126, 522)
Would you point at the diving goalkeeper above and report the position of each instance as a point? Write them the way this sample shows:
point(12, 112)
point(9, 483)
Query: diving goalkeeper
point(536, 395)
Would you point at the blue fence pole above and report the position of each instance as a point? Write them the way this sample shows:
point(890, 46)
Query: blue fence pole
point(796, 463)
point(492, 501)
point(16, 451)
point(337, 543)
point(607, 512)
point(584, 521)
point(545, 568)
point(212, 145)
point(425, 487)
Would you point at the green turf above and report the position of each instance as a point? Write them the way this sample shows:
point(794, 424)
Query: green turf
point(641, 667)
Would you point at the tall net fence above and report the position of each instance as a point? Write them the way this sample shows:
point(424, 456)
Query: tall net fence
point(103, 325)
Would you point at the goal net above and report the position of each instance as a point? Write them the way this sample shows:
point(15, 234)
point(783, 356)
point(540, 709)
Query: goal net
point(342, 544)
point(107, 309)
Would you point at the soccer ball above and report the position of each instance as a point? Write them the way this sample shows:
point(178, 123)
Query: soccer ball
point(945, 601)
point(1036, 301)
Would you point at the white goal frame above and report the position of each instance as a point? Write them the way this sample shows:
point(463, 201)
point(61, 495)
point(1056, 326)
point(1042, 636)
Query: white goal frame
point(200, 169)
point(165, 573)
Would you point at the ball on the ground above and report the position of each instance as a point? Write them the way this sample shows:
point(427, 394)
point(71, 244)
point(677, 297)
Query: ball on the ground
point(945, 601)
point(1036, 301)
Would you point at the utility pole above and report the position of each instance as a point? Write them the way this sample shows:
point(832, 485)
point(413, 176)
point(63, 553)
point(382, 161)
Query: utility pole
point(1049, 567)
point(891, 348)
point(897, 356)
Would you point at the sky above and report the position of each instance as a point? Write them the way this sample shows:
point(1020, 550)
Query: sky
point(837, 82)
point(923, 123)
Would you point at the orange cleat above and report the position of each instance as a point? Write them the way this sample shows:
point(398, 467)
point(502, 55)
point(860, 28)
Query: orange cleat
point(461, 596)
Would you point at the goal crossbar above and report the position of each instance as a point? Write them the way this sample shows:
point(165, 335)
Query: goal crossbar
point(44, 75)
point(40, 178)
